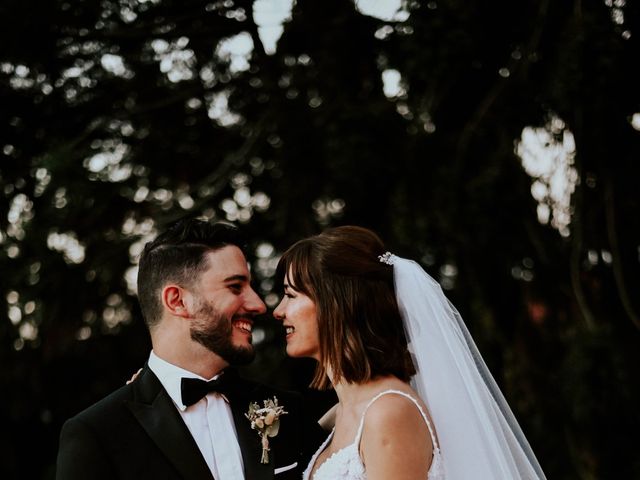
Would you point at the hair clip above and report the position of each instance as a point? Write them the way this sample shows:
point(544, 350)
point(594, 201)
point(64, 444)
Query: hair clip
point(387, 258)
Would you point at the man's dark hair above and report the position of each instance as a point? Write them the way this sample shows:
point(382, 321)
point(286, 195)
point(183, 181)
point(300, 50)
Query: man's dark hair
point(178, 256)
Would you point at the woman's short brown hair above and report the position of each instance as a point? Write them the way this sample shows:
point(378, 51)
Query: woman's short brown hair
point(360, 328)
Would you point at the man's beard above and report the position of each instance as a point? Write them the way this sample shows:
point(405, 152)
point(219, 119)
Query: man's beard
point(214, 331)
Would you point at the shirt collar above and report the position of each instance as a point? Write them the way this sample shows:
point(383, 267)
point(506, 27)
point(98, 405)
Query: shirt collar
point(170, 377)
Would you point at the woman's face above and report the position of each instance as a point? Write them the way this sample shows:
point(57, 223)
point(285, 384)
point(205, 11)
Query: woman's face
point(297, 312)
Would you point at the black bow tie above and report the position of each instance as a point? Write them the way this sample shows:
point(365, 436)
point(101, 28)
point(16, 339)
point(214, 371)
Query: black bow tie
point(193, 389)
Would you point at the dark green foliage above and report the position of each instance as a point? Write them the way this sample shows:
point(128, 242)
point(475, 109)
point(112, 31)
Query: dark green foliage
point(434, 170)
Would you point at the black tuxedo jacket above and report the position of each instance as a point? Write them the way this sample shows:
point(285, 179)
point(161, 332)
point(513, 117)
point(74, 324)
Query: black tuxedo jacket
point(138, 433)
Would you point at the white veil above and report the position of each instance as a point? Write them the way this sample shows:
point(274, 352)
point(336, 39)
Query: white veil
point(478, 435)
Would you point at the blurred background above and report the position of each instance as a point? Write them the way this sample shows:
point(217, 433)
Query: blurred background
point(496, 142)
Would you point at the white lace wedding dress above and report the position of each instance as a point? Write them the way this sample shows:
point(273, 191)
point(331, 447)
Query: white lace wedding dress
point(346, 463)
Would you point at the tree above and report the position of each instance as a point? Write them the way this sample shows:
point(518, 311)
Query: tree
point(430, 127)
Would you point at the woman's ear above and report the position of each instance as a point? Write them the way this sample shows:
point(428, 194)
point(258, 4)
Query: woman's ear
point(174, 300)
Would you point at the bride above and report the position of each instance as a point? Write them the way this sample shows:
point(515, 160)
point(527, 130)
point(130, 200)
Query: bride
point(415, 398)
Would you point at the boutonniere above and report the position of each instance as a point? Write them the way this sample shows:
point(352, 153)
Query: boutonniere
point(266, 420)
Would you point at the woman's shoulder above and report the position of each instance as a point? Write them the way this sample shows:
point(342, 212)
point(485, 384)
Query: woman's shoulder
point(395, 440)
point(393, 409)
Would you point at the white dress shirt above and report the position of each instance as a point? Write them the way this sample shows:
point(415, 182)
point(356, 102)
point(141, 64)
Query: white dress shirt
point(209, 420)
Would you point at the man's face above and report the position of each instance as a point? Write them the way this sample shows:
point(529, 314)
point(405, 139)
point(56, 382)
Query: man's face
point(225, 305)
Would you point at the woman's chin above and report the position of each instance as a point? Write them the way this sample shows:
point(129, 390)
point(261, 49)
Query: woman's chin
point(293, 352)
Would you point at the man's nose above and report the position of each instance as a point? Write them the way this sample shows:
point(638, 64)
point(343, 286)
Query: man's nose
point(254, 303)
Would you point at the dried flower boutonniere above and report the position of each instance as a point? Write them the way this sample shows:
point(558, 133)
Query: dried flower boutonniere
point(266, 420)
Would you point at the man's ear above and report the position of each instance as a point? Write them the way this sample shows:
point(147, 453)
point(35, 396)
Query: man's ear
point(175, 301)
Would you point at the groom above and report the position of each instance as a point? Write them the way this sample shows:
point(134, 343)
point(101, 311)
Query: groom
point(184, 415)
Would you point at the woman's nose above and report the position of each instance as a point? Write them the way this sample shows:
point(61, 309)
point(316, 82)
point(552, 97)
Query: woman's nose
point(278, 313)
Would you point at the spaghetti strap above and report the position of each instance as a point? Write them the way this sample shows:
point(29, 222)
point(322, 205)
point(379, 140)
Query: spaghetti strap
point(347, 463)
point(406, 395)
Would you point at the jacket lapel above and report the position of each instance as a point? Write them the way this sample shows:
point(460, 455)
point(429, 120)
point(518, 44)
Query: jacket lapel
point(249, 440)
point(155, 411)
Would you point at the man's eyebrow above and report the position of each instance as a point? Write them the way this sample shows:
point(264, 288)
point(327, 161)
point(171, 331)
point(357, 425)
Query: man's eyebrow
point(236, 278)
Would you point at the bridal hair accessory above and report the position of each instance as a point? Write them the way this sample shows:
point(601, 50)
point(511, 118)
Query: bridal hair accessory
point(478, 434)
point(266, 420)
point(387, 257)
